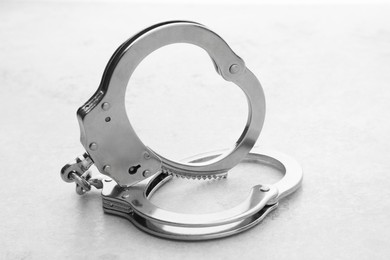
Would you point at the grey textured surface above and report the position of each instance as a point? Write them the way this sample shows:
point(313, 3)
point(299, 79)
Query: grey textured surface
point(325, 71)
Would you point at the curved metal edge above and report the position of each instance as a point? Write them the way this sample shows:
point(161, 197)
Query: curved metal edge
point(159, 222)
point(193, 234)
point(293, 172)
point(111, 65)
point(112, 89)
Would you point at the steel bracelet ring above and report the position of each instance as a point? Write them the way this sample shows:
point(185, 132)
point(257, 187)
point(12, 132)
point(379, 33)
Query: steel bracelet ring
point(106, 132)
point(134, 203)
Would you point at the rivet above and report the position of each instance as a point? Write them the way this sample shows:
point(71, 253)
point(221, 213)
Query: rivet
point(234, 69)
point(264, 188)
point(146, 173)
point(106, 106)
point(146, 155)
point(93, 146)
point(107, 168)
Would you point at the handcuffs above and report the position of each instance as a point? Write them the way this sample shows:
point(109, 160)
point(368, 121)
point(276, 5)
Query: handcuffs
point(130, 172)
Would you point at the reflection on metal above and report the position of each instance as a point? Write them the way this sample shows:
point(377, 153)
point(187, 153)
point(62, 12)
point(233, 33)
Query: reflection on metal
point(134, 203)
point(130, 172)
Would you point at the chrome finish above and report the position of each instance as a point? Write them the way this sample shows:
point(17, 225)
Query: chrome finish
point(82, 185)
point(80, 165)
point(104, 122)
point(77, 171)
point(133, 203)
point(131, 172)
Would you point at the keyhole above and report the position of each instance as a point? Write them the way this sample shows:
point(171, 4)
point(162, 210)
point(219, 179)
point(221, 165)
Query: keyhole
point(134, 169)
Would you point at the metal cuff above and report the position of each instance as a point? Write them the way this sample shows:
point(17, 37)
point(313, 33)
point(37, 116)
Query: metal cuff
point(107, 134)
point(134, 203)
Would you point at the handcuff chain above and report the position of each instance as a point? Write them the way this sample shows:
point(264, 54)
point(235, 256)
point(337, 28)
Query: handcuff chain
point(77, 171)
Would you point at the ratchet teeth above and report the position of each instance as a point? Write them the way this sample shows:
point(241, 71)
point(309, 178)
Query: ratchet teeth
point(190, 176)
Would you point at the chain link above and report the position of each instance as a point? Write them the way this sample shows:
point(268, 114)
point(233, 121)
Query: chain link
point(77, 171)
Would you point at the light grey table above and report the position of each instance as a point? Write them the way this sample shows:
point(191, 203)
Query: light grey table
point(325, 72)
